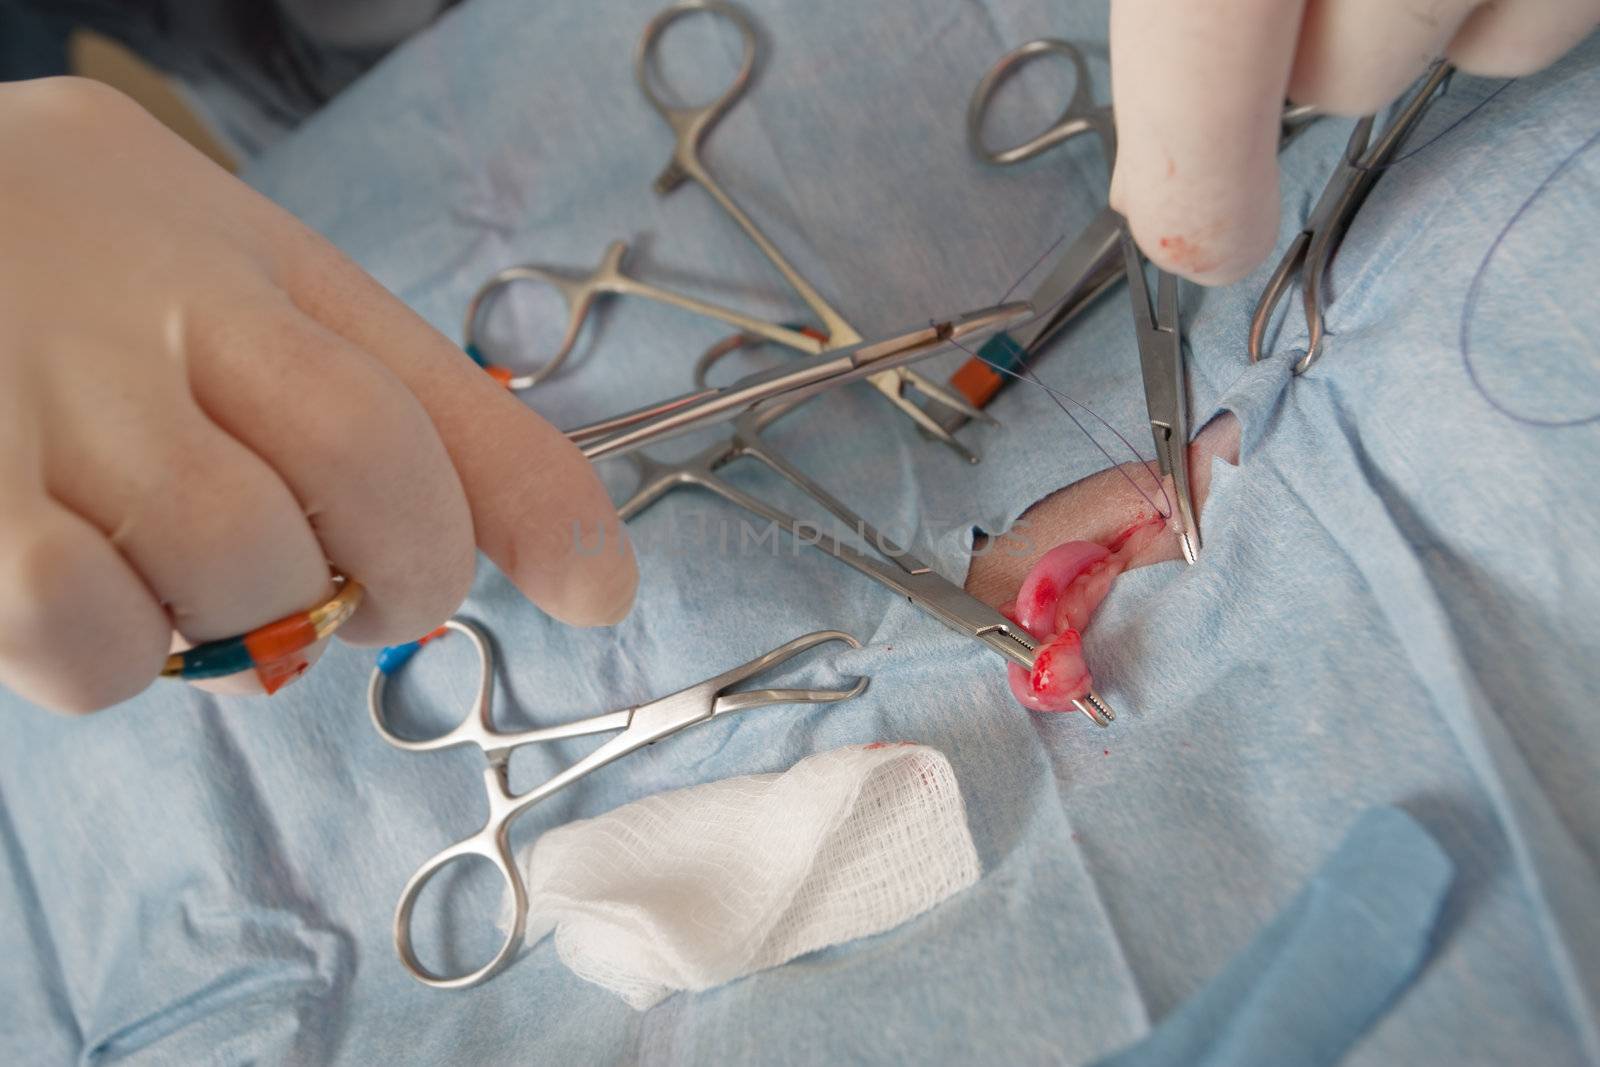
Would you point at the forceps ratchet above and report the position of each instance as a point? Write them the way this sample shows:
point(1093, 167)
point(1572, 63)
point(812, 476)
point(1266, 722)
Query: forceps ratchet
point(1312, 248)
point(580, 294)
point(691, 125)
point(642, 725)
point(903, 573)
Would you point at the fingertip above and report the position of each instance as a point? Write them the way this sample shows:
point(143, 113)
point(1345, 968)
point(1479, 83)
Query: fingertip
point(590, 577)
point(611, 597)
point(1210, 247)
point(1199, 98)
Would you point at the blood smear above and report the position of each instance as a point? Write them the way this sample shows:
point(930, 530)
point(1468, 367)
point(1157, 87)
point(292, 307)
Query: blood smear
point(1056, 601)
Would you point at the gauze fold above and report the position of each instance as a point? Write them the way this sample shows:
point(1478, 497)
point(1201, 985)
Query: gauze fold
point(697, 887)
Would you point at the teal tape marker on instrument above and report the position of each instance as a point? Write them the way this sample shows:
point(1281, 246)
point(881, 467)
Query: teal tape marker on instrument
point(978, 379)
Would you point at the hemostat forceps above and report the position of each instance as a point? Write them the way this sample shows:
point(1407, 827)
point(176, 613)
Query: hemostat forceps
point(794, 381)
point(691, 125)
point(1312, 248)
point(1166, 394)
point(579, 295)
point(903, 573)
point(639, 726)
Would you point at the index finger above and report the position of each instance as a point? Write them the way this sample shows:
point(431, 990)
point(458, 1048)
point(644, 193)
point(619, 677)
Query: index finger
point(1199, 91)
point(538, 508)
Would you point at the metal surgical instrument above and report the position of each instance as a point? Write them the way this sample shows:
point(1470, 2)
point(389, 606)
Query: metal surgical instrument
point(1089, 265)
point(690, 125)
point(642, 725)
point(1094, 260)
point(1166, 391)
point(608, 278)
point(1312, 248)
point(794, 380)
point(903, 573)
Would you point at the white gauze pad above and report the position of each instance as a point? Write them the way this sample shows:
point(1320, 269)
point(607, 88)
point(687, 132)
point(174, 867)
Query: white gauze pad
point(697, 887)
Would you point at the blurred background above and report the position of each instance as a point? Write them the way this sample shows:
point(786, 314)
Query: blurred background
point(230, 78)
point(91, 54)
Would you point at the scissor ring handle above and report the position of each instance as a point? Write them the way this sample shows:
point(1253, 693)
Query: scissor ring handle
point(578, 297)
point(736, 342)
point(680, 116)
point(491, 843)
point(739, 342)
point(1078, 116)
point(474, 728)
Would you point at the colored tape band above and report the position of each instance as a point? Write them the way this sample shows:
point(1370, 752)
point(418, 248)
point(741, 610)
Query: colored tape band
point(394, 657)
point(977, 382)
point(214, 659)
point(810, 331)
point(978, 379)
point(273, 650)
point(1002, 351)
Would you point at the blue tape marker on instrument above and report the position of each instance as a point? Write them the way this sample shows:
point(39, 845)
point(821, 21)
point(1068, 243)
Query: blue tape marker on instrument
point(394, 657)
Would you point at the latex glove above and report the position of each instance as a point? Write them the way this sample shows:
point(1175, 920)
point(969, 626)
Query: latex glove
point(203, 405)
point(1199, 90)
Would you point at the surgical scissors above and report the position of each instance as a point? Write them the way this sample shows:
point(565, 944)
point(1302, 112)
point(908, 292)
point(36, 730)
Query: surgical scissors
point(690, 126)
point(1312, 248)
point(579, 295)
point(903, 573)
point(795, 380)
point(1093, 261)
point(641, 725)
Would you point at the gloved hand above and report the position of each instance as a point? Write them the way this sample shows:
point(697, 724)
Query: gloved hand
point(204, 405)
point(1199, 90)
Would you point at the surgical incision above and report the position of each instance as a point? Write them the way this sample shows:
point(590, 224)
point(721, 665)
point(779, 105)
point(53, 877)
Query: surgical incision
point(1108, 523)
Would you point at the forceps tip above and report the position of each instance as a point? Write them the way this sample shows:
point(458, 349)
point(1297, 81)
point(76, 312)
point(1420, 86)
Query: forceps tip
point(1097, 709)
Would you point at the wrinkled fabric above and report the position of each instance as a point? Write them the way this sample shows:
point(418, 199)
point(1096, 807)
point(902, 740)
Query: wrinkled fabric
point(1310, 983)
point(1396, 605)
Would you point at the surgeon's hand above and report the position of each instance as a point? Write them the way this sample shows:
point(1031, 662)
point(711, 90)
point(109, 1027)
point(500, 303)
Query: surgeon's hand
point(203, 406)
point(1199, 90)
